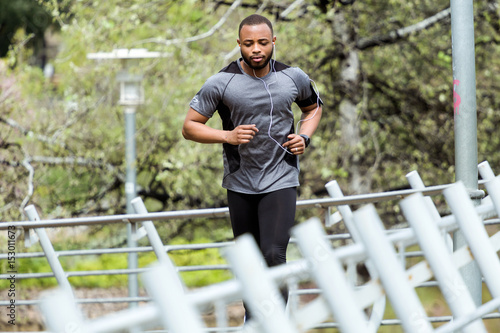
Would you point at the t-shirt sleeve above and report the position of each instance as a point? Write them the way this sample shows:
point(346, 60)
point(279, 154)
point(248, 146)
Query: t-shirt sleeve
point(207, 98)
point(307, 95)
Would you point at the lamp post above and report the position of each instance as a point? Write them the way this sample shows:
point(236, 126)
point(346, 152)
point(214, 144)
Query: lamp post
point(131, 96)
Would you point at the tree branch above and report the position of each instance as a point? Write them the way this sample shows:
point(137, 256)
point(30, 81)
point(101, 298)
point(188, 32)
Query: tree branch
point(12, 123)
point(209, 33)
point(65, 160)
point(395, 35)
point(76, 161)
point(290, 8)
point(27, 164)
point(31, 187)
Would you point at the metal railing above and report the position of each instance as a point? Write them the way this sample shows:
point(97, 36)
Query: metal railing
point(291, 273)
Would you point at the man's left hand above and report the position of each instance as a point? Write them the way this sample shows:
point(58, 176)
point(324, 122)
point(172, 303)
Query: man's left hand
point(295, 144)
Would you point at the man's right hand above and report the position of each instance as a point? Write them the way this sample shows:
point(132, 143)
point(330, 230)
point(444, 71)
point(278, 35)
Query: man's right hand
point(242, 134)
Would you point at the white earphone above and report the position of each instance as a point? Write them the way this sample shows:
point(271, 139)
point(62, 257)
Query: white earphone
point(266, 86)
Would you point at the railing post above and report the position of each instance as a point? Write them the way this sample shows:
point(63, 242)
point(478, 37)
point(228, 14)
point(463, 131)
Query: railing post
point(61, 312)
point(417, 183)
point(151, 232)
point(176, 311)
point(330, 276)
point(393, 277)
point(260, 292)
point(378, 308)
point(51, 255)
point(154, 238)
point(423, 221)
point(473, 229)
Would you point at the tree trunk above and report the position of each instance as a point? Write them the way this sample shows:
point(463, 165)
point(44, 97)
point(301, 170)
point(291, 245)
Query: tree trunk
point(351, 92)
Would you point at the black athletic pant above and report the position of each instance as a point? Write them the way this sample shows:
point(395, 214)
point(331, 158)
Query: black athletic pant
point(269, 218)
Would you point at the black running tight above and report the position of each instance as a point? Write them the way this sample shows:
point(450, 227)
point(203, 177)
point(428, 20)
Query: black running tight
point(268, 217)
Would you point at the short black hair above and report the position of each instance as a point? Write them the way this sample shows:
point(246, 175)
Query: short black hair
point(256, 19)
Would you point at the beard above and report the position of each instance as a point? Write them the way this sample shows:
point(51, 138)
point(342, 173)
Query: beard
point(248, 61)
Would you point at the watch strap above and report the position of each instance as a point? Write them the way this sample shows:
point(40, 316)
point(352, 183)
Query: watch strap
point(307, 140)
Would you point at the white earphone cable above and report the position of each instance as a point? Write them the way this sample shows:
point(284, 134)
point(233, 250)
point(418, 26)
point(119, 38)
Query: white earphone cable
point(273, 69)
point(315, 111)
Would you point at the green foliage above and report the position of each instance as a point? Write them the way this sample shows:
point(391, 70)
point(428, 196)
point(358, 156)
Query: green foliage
point(102, 262)
point(29, 265)
point(402, 97)
point(199, 257)
point(120, 261)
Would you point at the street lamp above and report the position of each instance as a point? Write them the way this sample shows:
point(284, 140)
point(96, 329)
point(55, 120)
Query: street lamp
point(131, 96)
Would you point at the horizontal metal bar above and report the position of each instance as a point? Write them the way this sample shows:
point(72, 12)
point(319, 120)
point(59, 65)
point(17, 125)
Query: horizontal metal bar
point(125, 218)
point(123, 271)
point(171, 248)
point(85, 300)
point(311, 291)
point(392, 322)
point(221, 212)
point(168, 248)
point(485, 310)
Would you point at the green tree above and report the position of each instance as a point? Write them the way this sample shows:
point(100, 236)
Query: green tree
point(386, 84)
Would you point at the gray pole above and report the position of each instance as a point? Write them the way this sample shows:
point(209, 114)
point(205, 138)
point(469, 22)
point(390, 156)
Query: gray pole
point(130, 156)
point(130, 192)
point(464, 98)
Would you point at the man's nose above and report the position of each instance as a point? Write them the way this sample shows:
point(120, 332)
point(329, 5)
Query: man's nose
point(256, 49)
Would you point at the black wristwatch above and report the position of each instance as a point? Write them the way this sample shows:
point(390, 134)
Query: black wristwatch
point(306, 139)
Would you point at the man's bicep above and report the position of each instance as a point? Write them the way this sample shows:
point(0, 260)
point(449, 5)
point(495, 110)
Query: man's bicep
point(195, 116)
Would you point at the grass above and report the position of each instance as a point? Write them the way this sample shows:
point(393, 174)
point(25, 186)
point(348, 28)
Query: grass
point(119, 261)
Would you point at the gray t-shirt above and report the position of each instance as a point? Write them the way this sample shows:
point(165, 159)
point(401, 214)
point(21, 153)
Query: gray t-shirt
point(261, 165)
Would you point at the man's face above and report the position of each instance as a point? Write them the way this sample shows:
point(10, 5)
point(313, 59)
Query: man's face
point(256, 42)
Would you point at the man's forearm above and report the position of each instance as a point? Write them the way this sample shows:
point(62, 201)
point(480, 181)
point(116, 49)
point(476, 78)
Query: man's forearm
point(309, 121)
point(203, 134)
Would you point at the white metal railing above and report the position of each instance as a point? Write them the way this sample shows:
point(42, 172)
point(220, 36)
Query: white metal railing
point(223, 212)
point(179, 310)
